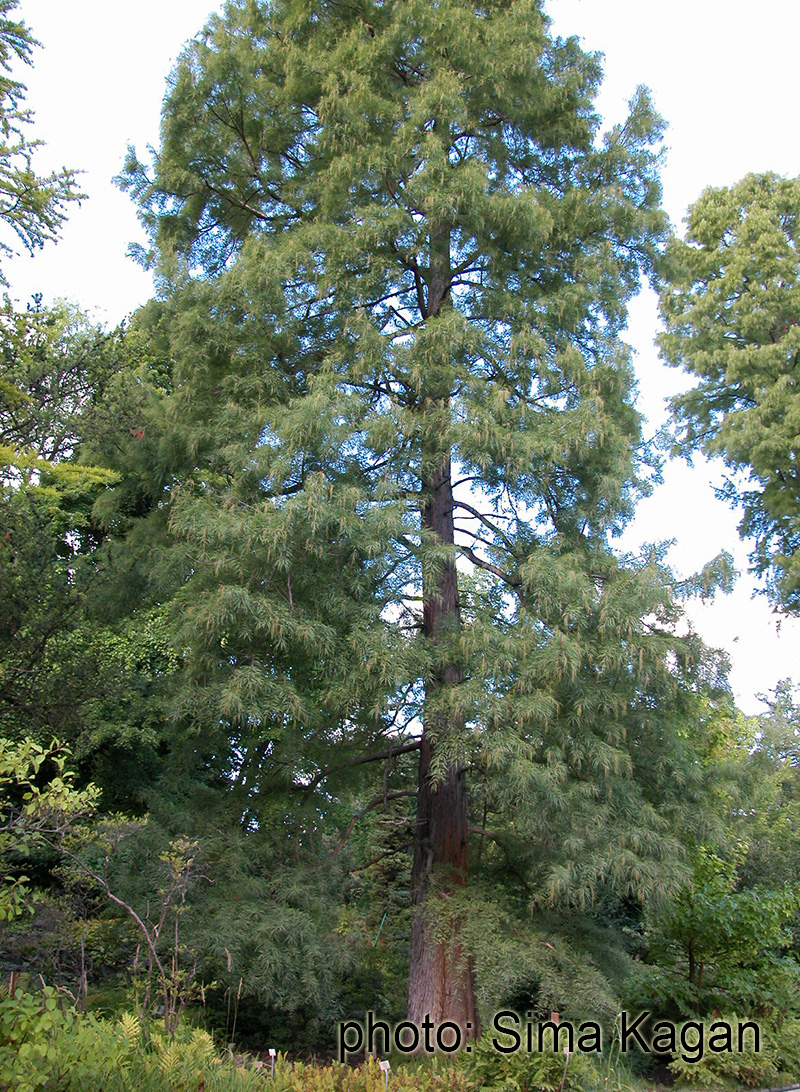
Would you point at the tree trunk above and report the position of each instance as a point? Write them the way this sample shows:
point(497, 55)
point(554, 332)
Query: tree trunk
point(440, 986)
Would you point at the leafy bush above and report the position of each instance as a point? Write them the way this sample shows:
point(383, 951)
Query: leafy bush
point(731, 1069)
point(487, 1068)
point(31, 812)
point(30, 1027)
point(787, 1042)
point(44, 1048)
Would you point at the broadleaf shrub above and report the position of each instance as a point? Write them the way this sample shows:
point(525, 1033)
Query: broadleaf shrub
point(30, 1026)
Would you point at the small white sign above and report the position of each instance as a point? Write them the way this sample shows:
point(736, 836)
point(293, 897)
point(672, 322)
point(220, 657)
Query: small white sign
point(385, 1066)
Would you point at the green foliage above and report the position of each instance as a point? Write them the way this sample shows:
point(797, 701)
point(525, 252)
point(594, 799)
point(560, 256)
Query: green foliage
point(487, 1069)
point(56, 370)
point(66, 659)
point(717, 945)
point(772, 848)
point(54, 367)
point(37, 801)
point(31, 1026)
point(785, 1035)
point(730, 305)
point(755, 1069)
point(44, 1047)
point(431, 1075)
point(547, 960)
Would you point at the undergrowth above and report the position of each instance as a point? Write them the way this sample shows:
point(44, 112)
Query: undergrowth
point(46, 1046)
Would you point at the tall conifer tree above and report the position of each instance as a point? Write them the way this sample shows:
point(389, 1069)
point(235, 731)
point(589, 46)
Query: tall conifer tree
point(399, 250)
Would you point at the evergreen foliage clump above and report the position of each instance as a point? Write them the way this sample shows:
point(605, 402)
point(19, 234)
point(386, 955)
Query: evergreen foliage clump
point(730, 306)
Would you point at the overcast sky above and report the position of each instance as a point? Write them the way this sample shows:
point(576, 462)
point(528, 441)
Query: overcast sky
point(723, 74)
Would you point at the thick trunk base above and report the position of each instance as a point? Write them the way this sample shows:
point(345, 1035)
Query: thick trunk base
point(441, 986)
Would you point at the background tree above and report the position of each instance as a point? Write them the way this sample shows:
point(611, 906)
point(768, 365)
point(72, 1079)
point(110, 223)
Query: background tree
point(56, 371)
point(727, 941)
point(722, 946)
point(57, 364)
point(397, 251)
point(773, 851)
point(66, 666)
point(32, 207)
point(730, 304)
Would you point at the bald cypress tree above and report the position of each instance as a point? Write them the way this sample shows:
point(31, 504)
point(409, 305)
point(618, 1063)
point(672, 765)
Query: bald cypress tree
point(398, 250)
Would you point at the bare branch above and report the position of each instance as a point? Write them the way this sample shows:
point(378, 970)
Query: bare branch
point(382, 799)
point(359, 760)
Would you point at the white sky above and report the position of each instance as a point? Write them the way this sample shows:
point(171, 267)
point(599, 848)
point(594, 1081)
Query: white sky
point(723, 73)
